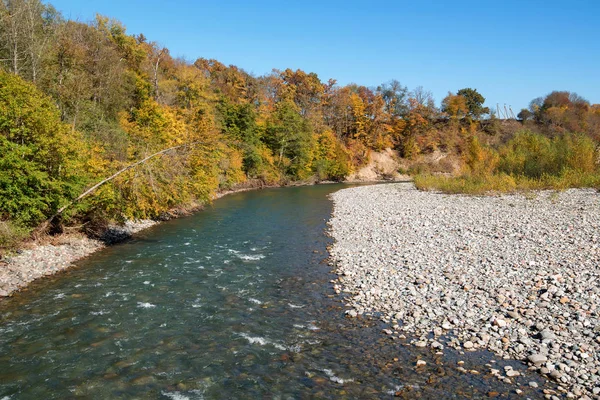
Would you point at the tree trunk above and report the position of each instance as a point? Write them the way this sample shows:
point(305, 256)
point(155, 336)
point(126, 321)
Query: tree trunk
point(44, 226)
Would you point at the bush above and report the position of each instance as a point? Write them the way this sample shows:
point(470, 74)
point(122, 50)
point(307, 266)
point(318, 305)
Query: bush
point(534, 155)
point(527, 162)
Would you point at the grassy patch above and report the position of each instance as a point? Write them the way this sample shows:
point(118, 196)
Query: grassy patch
point(503, 183)
point(527, 162)
point(11, 234)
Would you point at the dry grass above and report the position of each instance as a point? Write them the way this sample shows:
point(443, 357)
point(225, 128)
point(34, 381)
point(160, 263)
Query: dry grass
point(529, 161)
point(503, 183)
point(11, 235)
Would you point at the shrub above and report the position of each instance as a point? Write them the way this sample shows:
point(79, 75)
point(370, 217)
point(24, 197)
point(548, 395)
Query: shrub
point(527, 162)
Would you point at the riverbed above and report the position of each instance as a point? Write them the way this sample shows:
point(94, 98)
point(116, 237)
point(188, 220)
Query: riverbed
point(236, 301)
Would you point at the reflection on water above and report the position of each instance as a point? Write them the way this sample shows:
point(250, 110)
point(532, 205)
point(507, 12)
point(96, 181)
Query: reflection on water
point(233, 302)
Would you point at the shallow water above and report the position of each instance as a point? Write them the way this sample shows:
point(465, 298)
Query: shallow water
point(233, 302)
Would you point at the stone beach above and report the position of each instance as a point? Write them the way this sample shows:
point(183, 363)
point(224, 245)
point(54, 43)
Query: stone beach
point(518, 275)
point(27, 265)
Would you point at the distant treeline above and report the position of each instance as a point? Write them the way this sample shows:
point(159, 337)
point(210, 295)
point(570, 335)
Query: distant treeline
point(80, 101)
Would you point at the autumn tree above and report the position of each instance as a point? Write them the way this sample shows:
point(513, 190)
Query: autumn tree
point(455, 106)
point(337, 109)
point(562, 111)
point(306, 90)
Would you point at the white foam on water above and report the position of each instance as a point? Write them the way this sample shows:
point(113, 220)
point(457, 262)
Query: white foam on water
point(400, 387)
point(108, 294)
point(196, 303)
point(6, 330)
point(208, 257)
point(146, 282)
point(101, 312)
point(248, 257)
point(255, 339)
point(255, 301)
point(313, 327)
point(226, 261)
point(186, 243)
point(175, 395)
point(295, 306)
point(233, 251)
point(59, 296)
point(336, 379)
point(299, 326)
point(262, 341)
point(145, 305)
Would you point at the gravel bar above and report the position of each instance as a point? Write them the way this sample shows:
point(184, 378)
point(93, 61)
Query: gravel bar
point(517, 275)
point(19, 270)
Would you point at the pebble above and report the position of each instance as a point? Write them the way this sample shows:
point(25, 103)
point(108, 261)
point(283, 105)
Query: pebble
point(537, 358)
point(513, 274)
point(48, 259)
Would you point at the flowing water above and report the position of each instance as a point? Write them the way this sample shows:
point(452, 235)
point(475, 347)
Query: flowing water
point(232, 302)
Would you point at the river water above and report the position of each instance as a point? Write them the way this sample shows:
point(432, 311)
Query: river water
point(232, 302)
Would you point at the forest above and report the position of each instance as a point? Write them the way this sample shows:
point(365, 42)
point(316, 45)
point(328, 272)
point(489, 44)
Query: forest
point(80, 102)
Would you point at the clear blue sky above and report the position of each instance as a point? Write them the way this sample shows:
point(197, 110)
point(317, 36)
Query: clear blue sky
point(510, 51)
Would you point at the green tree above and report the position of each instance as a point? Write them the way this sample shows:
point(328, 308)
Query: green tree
point(524, 114)
point(40, 158)
point(474, 101)
point(289, 136)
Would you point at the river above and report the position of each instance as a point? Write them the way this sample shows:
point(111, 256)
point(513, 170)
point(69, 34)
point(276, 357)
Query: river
point(232, 302)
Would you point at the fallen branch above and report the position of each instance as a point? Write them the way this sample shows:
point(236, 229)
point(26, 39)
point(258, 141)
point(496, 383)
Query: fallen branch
point(59, 212)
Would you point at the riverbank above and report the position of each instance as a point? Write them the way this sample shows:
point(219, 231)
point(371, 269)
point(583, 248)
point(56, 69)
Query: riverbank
point(54, 254)
point(512, 274)
point(57, 254)
point(51, 255)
